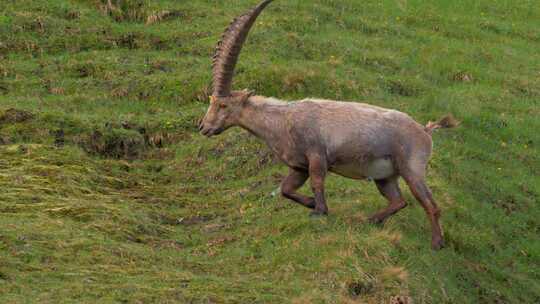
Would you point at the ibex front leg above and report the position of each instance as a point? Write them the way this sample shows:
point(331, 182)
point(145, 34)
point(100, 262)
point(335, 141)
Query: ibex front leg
point(317, 174)
point(293, 182)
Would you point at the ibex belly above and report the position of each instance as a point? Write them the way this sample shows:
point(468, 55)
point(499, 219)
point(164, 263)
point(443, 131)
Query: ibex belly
point(378, 168)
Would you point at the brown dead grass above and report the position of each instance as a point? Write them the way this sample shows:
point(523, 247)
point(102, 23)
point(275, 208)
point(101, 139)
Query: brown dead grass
point(15, 116)
point(162, 16)
point(394, 273)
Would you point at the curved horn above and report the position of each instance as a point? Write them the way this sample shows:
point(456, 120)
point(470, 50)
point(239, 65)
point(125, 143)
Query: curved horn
point(229, 47)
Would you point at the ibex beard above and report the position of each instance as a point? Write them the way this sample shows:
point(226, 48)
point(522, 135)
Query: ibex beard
point(314, 137)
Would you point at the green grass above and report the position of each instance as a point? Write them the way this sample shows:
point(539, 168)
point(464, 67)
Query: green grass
point(109, 195)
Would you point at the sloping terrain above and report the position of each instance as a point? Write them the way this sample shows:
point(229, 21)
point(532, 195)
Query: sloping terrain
point(109, 195)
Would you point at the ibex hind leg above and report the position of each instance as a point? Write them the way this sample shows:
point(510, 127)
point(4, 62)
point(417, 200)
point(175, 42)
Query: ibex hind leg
point(317, 174)
point(414, 175)
point(389, 188)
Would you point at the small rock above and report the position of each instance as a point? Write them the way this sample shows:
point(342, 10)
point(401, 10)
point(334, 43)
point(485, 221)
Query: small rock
point(59, 138)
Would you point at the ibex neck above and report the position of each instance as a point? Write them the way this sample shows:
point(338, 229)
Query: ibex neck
point(264, 118)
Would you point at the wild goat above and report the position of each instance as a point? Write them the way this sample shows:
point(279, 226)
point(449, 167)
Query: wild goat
point(314, 137)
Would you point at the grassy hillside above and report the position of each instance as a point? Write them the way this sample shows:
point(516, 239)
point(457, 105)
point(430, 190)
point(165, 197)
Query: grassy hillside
point(109, 195)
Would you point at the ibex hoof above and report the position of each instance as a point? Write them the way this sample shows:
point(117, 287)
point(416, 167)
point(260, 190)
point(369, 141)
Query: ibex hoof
point(317, 213)
point(437, 244)
point(375, 220)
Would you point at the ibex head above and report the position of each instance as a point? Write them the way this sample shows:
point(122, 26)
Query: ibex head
point(226, 105)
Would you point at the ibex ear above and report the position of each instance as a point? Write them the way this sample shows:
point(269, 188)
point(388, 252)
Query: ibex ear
point(249, 93)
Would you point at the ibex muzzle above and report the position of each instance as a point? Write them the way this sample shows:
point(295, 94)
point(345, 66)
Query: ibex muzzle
point(314, 137)
point(223, 113)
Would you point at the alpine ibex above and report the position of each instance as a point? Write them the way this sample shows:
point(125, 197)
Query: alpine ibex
point(314, 137)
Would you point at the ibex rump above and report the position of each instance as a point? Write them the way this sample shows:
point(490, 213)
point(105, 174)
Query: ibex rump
point(314, 137)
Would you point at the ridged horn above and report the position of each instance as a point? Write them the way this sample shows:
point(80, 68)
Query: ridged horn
point(229, 47)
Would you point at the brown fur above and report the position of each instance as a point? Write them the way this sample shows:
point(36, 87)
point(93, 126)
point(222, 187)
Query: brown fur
point(355, 140)
point(314, 137)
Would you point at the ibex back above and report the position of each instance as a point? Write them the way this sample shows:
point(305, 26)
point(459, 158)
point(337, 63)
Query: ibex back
point(314, 137)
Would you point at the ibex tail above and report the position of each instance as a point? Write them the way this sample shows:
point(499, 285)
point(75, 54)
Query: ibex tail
point(447, 121)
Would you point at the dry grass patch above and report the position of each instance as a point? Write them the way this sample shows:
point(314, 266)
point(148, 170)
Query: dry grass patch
point(162, 16)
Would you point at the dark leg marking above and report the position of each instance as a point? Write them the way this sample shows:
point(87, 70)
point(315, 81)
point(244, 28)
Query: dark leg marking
point(317, 174)
point(389, 188)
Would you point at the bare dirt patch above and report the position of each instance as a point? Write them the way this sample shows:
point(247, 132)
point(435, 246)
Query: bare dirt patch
point(15, 116)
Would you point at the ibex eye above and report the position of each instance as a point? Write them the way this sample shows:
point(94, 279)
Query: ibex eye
point(222, 105)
